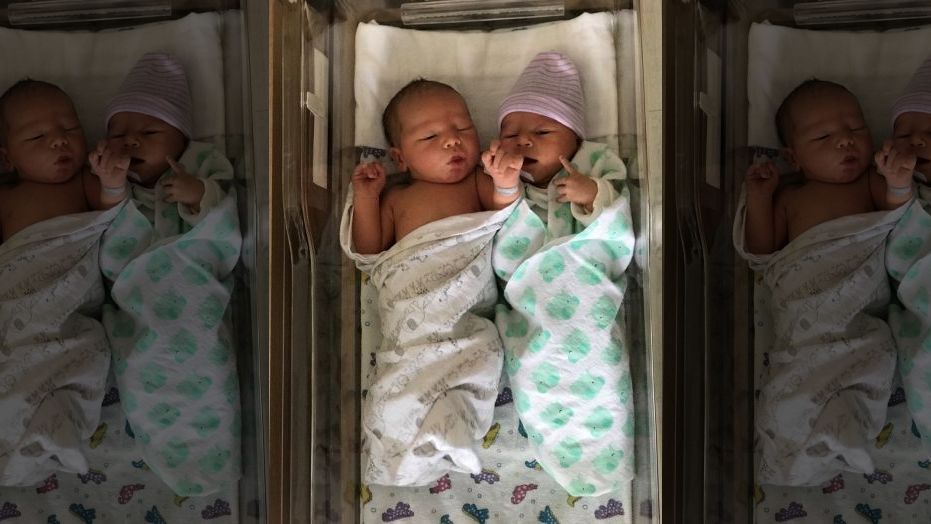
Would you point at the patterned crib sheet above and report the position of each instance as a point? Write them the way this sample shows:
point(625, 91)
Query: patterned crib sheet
point(899, 491)
point(119, 487)
point(512, 487)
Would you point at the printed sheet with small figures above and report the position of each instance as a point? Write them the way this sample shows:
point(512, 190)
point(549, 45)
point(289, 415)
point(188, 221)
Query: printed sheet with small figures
point(899, 491)
point(118, 488)
point(512, 488)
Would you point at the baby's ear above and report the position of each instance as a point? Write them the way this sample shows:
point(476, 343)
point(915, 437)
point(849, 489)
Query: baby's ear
point(5, 166)
point(398, 159)
point(789, 155)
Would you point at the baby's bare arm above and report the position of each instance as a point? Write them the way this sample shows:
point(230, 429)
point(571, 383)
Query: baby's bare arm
point(766, 225)
point(368, 228)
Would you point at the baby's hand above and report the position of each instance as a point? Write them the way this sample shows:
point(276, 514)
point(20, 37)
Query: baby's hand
point(111, 167)
point(368, 180)
point(504, 168)
point(180, 186)
point(762, 180)
point(897, 167)
point(576, 187)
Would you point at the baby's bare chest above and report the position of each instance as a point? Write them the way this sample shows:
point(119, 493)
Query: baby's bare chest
point(22, 205)
point(809, 207)
point(418, 206)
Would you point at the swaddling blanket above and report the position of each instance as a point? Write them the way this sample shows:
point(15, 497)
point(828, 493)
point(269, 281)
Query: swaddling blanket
point(172, 353)
point(54, 354)
point(908, 260)
point(824, 395)
point(564, 339)
point(439, 363)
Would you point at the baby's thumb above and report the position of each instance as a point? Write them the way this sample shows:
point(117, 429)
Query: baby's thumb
point(176, 168)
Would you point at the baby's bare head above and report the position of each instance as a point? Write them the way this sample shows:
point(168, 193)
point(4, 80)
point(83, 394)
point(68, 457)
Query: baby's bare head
point(392, 117)
point(823, 92)
point(25, 88)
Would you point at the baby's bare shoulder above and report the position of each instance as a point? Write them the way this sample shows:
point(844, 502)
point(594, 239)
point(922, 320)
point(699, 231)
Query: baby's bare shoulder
point(395, 193)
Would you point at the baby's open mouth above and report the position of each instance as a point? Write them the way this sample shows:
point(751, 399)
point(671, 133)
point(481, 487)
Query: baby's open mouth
point(528, 160)
point(922, 162)
point(135, 161)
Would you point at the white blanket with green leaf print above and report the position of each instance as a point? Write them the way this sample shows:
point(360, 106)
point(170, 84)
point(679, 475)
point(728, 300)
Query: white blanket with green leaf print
point(908, 261)
point(565, 343)
point(172, 354)
point(437, 368)
point(823, 397)
point(54, 355)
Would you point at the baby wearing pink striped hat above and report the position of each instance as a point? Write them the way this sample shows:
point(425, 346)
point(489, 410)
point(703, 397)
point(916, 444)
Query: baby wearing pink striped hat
point(149, 131)
point(909, 150)
point(542, 122)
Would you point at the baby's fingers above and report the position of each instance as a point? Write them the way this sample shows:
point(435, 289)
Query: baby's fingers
point(488, 159)
point(100, 147)
point(359, 171)
point(370, 170)
point(561, 194)
point(373, 170)
point(567, 165)
point(888, 144)
point(503, 162)
point(514, 162)
point(93, 158)
point(764, 170)
point(176, 168)
point(122, 161)
point(493, 149)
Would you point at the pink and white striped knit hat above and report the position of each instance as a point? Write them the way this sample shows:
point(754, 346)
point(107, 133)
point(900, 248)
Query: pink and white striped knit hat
point(917, 95)
point(156, 86)
point(550, 87)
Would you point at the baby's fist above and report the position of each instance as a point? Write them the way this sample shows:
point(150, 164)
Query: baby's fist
point(895, 165)
point(110, 166)
point(762, 180)
point(368, 180)
point(503, 167)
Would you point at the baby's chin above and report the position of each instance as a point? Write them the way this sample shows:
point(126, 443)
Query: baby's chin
point(540, 178)
point(145, 174)
point(56, 177)
point(449, 176)
point(844, 177)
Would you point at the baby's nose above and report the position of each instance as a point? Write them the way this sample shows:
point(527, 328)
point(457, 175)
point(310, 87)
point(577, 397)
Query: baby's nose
point(59, 139)
point(845, 139)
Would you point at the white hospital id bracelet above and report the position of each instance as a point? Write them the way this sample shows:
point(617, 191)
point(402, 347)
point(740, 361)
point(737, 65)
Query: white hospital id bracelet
point(507, 191)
